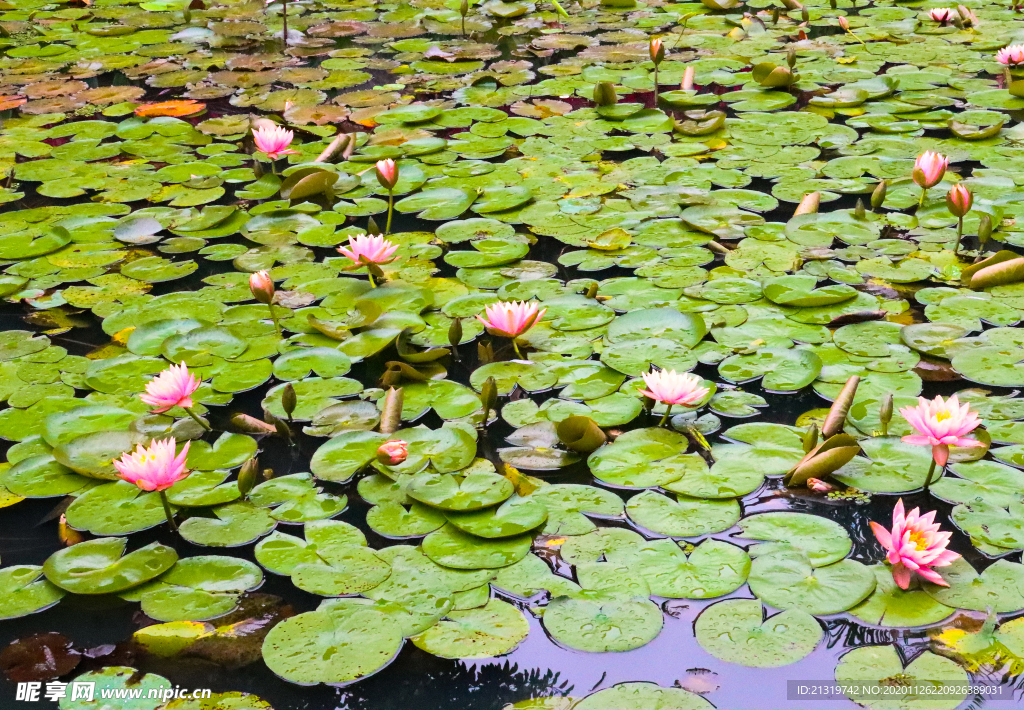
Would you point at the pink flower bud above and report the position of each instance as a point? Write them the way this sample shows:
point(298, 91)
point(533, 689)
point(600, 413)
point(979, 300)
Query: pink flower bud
point(844, 23)
point(387, 173)
point(959, 200)
point(687, 84)
point(929, 169)
point(816, 484)
point(939, 14)
point(392, 453)
point(657, 50)
point(262, 287)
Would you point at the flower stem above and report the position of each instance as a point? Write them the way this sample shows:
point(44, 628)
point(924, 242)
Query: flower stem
point(959, 235)
point(655, 86)
point(167, 511)
point(284, 16)
point(931, 472)
point(200, 422)
point(665, 418)
point(920, 203)
point(515, 346)
point(391, 202)
point(277, 323)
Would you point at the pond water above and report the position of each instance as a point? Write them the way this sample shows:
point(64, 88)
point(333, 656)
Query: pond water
point(751, 207)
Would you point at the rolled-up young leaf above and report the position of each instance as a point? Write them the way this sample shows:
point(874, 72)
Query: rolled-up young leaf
point(836, 419)
point(580, 434)
point(391, 412)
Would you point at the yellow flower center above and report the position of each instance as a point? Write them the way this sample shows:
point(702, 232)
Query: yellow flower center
point(943, 416)
point(919, 540)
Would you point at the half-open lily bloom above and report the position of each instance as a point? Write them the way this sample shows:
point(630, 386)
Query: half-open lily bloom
point(673, 387)
point(929, 169)
point(155, 468)
point(511, 318)
point(387, 173)
point(393, 452)
point(940, 14)
point(274, 141)
point(364, 248)
point(1011, 56)
point(915, 544)
point(941, 424)
point(171, 388)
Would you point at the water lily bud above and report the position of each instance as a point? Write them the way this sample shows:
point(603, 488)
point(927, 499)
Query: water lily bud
point(67, 534)
point(262, 287)
point(844, 23)
point(391, 411)
point(885, 414)
point(805, 15)
point(455, 332)
point(816, 484)
point(593, 289)
point(387, 173)
point(392, 453)
point(464, 8)
point(288, 399)
point(687, 83)
point(959, 200)
point(776, 13)
point(247, 476)
point(809, 204)
point(791, 57)
point(984, 229)
point(859, 212)
point(657, 51)
point(810, 438)
point(604, 94)
point(484, 352)
point(371, 226)
point(489, 396)
point(878, 195)
point(833, 4)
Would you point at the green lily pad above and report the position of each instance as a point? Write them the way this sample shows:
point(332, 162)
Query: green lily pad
point(25, 591)
point(736, 631)
point(824, 541)
point(891, 606)
point(785, 579)
point(451, 547)
point(683, 517)
point(230, 525)
point(513, 517)
point(491, 630)
point(599, 625)
point(712, 569)
point(101, 567)
point(929, 681)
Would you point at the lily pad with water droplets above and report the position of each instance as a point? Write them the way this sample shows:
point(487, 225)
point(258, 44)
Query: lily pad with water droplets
point(736, 631)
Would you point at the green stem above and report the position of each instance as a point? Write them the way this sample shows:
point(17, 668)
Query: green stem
point(655, 86)
point(167, 511)
point(959, 235)
point(515, 346)
point(931, 472)
point(200, 422)
point(369, 275)
point(391, 198)
point(920, 203)
point(277, 323)
point(665, 418)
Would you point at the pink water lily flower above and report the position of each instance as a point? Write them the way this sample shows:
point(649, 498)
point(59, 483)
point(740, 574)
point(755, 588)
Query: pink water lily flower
point(656, 50)
point(171, 388)
point(941, 424)
point(155, 468)
point(274, 141)
point(687, 82)
point(1011, 56)
point(940, 14)
point(511, 318)
point(929, 169)
point(364, 248)
point(673, 387)
point(959, 200)
point(915, 544)
point(393, 452)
